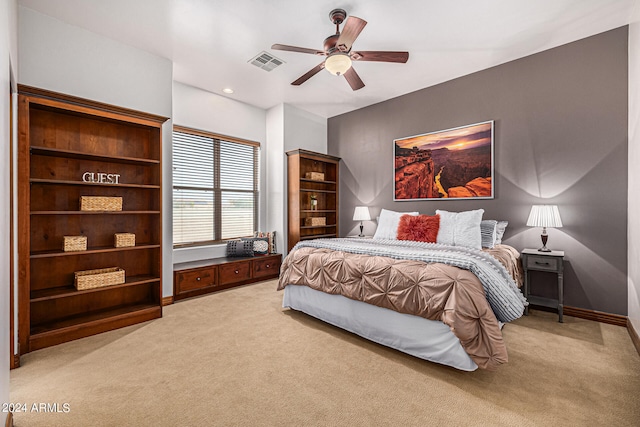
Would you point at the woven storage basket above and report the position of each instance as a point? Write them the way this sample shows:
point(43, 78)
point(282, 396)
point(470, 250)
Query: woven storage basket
point(100, 203)
point(91, 279)
point(316, 176)
point(316, 220)
point(74, 243)
point(124, 240)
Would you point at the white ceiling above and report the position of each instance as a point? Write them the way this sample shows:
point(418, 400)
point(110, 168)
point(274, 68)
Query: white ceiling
point(211, 41)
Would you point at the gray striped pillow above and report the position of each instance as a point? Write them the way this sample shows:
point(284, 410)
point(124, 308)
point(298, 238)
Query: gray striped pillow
point(488, 232)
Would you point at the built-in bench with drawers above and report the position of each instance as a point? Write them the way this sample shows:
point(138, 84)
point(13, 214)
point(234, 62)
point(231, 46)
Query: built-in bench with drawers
point(201, 277)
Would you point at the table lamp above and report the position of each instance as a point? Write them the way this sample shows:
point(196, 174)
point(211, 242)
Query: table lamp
point(544, 216)
point(361, 214)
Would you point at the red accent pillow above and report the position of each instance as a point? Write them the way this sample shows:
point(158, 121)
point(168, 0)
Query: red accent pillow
point(420, 228)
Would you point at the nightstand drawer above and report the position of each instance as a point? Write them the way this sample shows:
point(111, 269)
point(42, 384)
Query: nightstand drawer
point(537, 262)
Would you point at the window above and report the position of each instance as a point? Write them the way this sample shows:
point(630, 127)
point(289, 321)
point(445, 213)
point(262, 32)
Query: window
point(215, 187)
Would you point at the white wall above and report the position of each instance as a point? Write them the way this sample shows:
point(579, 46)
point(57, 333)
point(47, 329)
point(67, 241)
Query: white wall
point(288, 128)
point(8, 62)
point(276, 172)
point(633, 228)
point(67, 59)
point(199, 109)
point(304, 130)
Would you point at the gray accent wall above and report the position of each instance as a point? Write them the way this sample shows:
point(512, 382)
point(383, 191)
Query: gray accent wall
point(560, 138)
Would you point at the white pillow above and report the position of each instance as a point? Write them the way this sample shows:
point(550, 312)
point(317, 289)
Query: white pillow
point(460, 228)
point(500, 228)
point(388, 224)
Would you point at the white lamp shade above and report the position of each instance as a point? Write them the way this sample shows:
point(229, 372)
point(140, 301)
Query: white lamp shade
point(544, 216)
point(361, 214)
point(338, 64)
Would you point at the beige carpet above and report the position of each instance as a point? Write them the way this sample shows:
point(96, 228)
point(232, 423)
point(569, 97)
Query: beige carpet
point(236, 358)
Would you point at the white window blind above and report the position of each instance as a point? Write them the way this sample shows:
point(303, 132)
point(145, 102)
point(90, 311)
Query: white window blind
point(215, 188)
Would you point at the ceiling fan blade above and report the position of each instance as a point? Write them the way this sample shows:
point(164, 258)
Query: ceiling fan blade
point(306, 76)
point(353, 79)
point(380, 56)
point(298, 49)
point(350, 32)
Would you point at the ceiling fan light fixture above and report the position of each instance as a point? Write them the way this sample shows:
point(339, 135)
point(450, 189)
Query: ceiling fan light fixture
point(338, 63)
point(337, 50)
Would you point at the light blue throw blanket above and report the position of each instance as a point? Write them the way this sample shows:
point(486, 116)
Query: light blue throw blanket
point(503, 294)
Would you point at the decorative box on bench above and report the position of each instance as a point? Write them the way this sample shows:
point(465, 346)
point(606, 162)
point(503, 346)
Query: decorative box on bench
point(91, 279)
point(316, 220)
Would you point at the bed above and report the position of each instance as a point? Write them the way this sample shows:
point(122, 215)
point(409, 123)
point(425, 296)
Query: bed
point(438, 302)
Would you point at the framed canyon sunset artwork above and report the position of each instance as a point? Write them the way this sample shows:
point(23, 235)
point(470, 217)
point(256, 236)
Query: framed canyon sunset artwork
point(448, 164)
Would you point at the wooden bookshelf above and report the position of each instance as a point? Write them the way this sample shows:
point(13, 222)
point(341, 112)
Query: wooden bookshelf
point(301, 189)
point(60, 139)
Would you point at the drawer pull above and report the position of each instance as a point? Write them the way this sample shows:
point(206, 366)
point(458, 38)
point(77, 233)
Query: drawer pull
point(268, 266)
point(237, 272)
point(198, 279)
point(542, 263)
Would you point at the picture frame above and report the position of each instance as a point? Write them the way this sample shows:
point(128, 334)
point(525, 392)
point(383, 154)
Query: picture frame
point(450, 164)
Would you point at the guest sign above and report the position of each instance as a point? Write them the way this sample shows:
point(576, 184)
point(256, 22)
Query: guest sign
point(101, 178)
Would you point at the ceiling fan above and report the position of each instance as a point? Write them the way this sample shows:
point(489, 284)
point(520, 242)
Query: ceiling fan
point(337, 49)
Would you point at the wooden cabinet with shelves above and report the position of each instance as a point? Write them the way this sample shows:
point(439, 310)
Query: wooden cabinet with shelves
point(302, 165)
point(62, 138)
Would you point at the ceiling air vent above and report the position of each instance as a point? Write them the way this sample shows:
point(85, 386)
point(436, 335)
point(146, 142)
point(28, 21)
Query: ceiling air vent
point(266, 61)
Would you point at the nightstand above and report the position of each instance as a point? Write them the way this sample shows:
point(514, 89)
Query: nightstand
point(551, 262)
